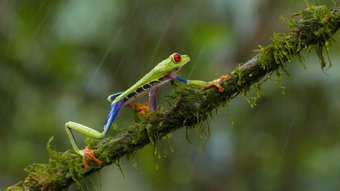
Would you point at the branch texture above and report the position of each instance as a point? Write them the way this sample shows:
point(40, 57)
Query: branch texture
point(310, 28)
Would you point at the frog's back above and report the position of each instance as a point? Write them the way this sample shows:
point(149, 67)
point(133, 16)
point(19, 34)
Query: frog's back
point(147, 83)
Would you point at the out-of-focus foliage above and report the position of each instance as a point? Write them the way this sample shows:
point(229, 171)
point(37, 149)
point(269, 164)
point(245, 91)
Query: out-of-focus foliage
point(60, 59)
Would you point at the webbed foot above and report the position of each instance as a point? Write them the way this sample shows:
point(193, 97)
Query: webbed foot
point(141, 109)
point(88, 154)
point(217, 83)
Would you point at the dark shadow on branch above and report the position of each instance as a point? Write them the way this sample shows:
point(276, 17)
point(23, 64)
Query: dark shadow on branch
point(313, 27)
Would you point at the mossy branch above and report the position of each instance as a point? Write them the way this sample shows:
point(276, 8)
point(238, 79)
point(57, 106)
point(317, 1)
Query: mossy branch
point(310, 28)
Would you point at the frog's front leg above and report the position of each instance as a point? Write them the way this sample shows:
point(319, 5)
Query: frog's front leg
point(205, 85)
point(217, 83)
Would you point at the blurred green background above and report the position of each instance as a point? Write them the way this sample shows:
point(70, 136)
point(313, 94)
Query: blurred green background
point(59, 60)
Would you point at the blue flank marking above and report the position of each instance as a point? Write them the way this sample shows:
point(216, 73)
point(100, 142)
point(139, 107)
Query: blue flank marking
point(112, 115)
point(181, 79)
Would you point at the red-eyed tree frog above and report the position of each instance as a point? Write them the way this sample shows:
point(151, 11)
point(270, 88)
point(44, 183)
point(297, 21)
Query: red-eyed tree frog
point(162, 73)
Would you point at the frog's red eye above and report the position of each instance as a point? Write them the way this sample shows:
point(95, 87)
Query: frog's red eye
point(177, 57)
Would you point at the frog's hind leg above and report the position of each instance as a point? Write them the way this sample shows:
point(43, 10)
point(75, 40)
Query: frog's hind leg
point(86, 153)
point(112, 116)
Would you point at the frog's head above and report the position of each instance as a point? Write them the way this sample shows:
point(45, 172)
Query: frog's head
point(173, 63)
point(177, 61)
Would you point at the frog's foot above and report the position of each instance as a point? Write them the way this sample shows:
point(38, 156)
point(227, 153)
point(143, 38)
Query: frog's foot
point(88, 154)
point(217, 83)
point(141, 109)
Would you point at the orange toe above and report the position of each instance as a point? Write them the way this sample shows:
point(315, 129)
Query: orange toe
point(217, 83)
point(89, 155)
point(141, 109)
point(220, 88)
point(224, 77)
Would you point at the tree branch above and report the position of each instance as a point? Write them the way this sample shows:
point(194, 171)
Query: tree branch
point(313, 27)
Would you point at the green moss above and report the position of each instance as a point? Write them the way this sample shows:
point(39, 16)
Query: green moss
point(66, 162)
point(325, 31)
point(118, 163)
point(152, 137)
point(38, 174)
point(17, 187)
point(285, 46)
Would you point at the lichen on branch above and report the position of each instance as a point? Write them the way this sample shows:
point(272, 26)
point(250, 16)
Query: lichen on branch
point(313, 27)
